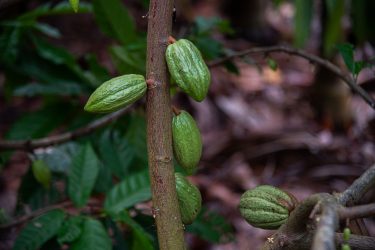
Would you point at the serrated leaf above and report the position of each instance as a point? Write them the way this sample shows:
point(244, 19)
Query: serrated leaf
point(70, 230)
point(212, 227)
point(135, 188)
point(302, 20)
point(114, 20)
point(82, 175)
point(93, 237)
point(39, 230)
point(74, 4)
point(141, 239)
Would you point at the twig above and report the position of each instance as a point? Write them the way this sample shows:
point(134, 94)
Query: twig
point(361, 211)
point(310, 57)
point(64, 137)
point(324, 237)
point(359, 188)
point(36, 213)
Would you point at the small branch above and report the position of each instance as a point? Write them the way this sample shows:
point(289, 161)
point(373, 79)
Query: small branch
point(310, 57)
point(357, 211)
point(356, 242)
point(324, 237)
point(36, 213)
point(64, 137)
point(359, 188)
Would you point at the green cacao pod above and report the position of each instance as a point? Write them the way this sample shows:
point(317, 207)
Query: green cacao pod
point(116, 93)
point(187, 142)
point(189, 199)
point(42, 173)
point(188, 69)
point(266, 207)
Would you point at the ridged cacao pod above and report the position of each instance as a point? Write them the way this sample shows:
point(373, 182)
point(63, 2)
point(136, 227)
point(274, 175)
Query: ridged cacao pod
point(116, 93)
point(42, 173)
point(187, 142)
point(188, 69)
point(189, 199)
point(266, 207)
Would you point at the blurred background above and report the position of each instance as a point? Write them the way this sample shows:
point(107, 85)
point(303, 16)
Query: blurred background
point(268, 119)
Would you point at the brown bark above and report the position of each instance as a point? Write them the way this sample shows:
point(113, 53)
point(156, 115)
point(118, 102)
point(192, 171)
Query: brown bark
point(159, 129)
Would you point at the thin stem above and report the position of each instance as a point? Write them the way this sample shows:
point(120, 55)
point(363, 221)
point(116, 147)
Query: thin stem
point(64, 137)
point(36, 213)
point(361, 211)
point(312, 58)
point(159, 130)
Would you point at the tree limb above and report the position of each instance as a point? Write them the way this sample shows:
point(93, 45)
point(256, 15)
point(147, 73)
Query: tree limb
point(356, 242)
point(64, 137)
point(324, 237)
point(356, 212)
point(159, 129)
point(359, 188)
point(310, 57)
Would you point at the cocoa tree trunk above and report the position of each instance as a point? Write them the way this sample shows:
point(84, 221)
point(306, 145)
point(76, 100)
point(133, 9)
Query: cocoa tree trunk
point(159, 129)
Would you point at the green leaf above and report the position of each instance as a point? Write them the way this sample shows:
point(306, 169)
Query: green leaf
point(347, 52)
point(116, 153)
point(93, 237)
point(136, 137)
point(52, 53)
point(135, 188)
point(212, 227)
point(70, 230)
point(49, 9)
point(82, 175)
point(128, 61)
point(38, 123)
point(59, 158)
point(141, 239)
point(302, 21)
point(272, 64)
point(47, 30)
point(9, 44)
point(74, 4)
point(97, 72)
point(39, 230)
point(115, 20)
point(61, 89)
